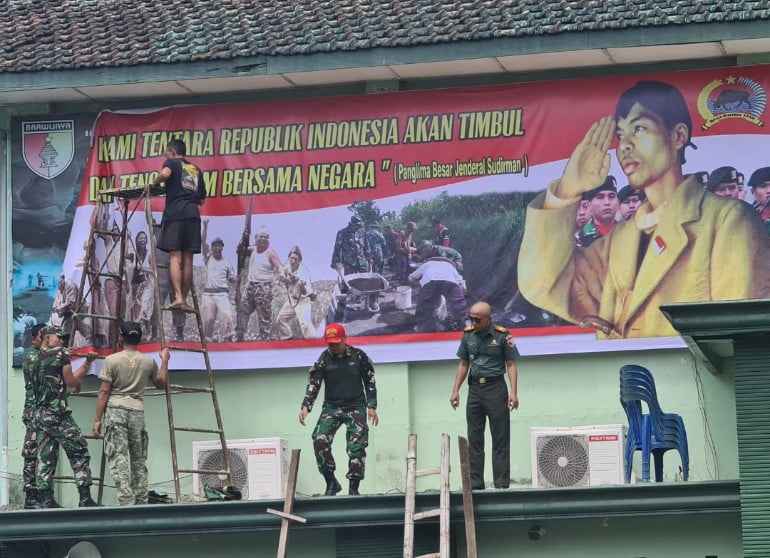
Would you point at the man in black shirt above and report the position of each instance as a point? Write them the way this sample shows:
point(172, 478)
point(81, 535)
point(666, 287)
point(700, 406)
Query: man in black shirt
point(350, 395)
point(181, 227)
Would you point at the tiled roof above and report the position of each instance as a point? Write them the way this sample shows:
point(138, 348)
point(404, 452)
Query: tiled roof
point(69, 34)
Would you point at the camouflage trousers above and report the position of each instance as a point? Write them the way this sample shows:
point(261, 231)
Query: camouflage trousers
point(125, 445)
point(258, 297)
point(29, 454)
point(357, 438)
point(54, 430)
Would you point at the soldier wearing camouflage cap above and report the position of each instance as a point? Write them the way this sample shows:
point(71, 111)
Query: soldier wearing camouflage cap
point(54, 422)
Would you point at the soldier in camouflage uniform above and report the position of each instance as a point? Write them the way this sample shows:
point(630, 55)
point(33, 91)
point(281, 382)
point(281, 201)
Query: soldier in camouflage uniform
point(376, 242)
point(351, 250)
point(29, 453)
point(257, 296)
point(428, 250)
point(53, 419)
point(120, 401)
point(604, 207)
point(349, 396)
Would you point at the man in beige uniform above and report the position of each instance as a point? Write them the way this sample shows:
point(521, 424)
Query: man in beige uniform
point(120, 401)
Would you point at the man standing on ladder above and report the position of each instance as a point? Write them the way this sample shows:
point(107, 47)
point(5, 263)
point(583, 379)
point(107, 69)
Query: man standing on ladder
point(120, 401)
point(181, 227)
point(488, 352)
point(350, 395)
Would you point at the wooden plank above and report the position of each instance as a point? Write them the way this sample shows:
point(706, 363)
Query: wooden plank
point(427, 514)
point(411, 481)
point(288, 503)
point(290, 516)
point(444, 499)
point(470, 520)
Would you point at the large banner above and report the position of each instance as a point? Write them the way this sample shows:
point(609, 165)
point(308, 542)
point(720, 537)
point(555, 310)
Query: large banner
point(48, 155)
point(575, 208)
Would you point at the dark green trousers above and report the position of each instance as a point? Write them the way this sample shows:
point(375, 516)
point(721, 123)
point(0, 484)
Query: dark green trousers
point(489, 401)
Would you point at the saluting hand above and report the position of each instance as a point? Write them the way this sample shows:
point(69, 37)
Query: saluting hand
point(589, 164)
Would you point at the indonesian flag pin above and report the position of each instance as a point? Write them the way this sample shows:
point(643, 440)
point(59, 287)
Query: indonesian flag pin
point(658, 245)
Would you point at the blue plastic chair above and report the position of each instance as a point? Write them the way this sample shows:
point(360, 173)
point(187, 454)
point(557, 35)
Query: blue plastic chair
point(653, 433)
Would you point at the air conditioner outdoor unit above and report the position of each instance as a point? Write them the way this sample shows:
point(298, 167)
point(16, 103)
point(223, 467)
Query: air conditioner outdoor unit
point(259, 466)
point(577, 456)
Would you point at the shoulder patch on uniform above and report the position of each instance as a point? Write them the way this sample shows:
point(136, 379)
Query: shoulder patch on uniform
point(469, 328)
point(501, 329)
point(510, 341)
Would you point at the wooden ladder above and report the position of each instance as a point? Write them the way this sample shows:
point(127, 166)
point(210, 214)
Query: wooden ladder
point(410, 516)
point(132, 201)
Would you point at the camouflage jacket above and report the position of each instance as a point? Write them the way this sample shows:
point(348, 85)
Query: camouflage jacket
point(351, 250)
point(349, 380)
point(51, 392)
point(30, 372)
point(586, 235)
point(376, 244)
point(450, 254)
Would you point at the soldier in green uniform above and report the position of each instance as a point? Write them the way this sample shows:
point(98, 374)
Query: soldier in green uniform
point(376, 242)
point(29, 452)
point(53, 419)
point(426, 249)
point(351, 252)
point(488, 352)
point(350, 395)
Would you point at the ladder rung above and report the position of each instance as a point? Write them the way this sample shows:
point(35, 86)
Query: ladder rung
point(107, 233)
point(187, 389)
point(110, 275)
point(84, 355)
point(427, 514)
point(434, 555)
point(98, 316)
point(162, 266)
point(187, 349)
point(169, 309)
point(204, 430)
point(204, 471)
point(428, 472)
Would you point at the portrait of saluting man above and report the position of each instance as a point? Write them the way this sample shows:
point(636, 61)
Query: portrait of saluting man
point(683, 245)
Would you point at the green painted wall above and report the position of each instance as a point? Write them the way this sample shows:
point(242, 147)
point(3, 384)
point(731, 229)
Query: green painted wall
point(554, 391)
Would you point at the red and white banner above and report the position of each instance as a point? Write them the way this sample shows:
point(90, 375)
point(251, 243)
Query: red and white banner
point(470, 160)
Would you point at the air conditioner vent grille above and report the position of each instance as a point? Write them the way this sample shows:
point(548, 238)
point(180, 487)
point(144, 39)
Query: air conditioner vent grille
point(563, 460)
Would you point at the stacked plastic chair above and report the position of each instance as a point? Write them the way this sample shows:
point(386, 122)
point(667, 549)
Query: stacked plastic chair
point(653, 433)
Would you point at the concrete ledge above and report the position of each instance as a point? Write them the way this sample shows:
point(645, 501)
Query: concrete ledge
point(328, 513)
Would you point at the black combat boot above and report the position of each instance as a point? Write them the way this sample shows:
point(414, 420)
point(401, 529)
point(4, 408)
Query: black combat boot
point(85, 497)
point(332, 486)
point(31, 499)
point(46, 500)
point(353, 487)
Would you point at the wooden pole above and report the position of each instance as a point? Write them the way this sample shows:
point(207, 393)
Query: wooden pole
point(444, 498)
point(287, 514)
point(470, 519)
point(411, 481)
